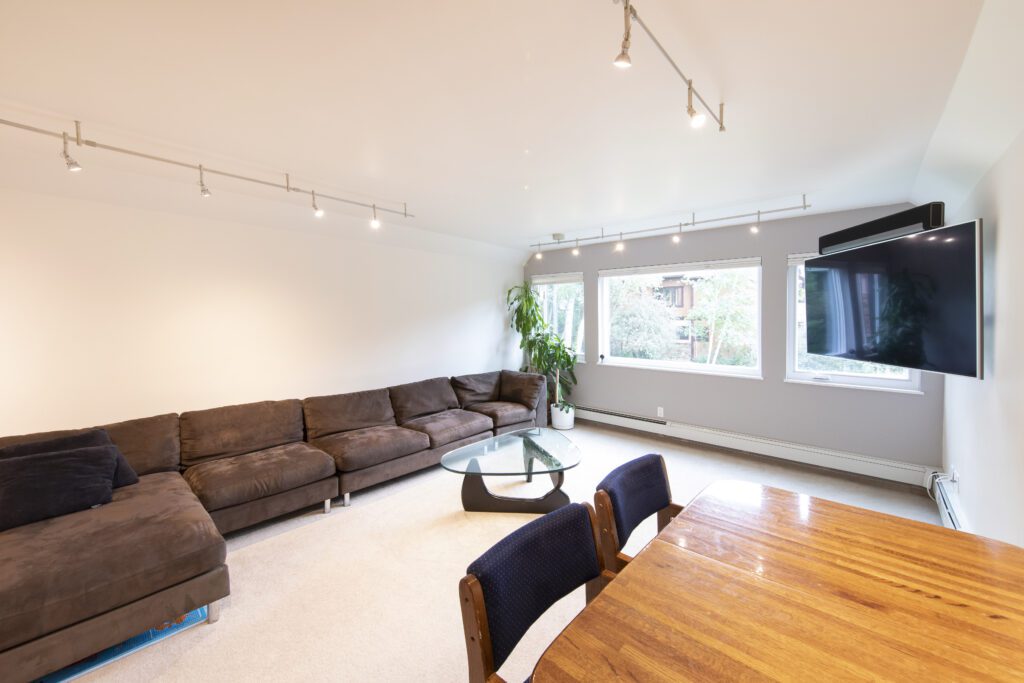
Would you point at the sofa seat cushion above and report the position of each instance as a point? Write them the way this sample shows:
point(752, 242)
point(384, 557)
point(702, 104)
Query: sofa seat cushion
point(450, 425)
point(244, 478)
point(503, 412)
point(59, 571)
point(363, 448)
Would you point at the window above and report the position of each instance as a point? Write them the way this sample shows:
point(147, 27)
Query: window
point(699, 317)
point(804, 367)
point(561, 302)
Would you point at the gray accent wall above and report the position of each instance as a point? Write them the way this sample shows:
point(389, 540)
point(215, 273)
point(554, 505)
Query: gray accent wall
point(894, 426)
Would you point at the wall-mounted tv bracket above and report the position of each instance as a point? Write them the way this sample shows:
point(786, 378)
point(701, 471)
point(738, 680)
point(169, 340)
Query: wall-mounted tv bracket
point(919, 219)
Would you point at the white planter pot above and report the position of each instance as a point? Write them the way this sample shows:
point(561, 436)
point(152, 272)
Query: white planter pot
point(561, 419)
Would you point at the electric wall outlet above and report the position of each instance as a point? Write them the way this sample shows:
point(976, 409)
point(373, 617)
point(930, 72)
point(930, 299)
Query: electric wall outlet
point(661, 412)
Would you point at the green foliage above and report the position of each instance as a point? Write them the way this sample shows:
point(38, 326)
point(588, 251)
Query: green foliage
point(545, 351)
point(721, 315)
point(526, 316)
point(641, 322)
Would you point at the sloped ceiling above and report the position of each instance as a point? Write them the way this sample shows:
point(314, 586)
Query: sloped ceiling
point(496, 121)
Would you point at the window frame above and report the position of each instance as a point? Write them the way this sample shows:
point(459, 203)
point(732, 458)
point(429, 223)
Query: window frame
point(566, 279)
point(911, 385)
point(604, 319)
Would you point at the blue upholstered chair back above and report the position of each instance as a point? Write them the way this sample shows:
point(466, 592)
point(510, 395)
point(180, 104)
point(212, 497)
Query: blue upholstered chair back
point(531, 569)
point(637, 489)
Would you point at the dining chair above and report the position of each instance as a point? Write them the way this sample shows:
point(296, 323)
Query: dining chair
point(511, 585)
point(627, 496)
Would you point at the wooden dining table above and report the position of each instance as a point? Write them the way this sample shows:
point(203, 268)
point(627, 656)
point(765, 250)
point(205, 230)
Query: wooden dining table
point(751, 582)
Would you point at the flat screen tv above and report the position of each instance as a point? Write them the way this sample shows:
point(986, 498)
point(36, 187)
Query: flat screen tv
point(913, 302)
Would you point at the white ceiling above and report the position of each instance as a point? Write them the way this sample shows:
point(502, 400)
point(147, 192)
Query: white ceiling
point(457, 107)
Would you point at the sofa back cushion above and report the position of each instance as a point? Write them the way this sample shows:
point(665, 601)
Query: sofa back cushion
point(150, 444)
point(232, 430)
point(422, 398)
point(481, 388)
point(521, 387)
point(344, 412)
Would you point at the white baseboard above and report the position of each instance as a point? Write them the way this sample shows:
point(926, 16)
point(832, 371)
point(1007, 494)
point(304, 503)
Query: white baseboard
point(892, 470)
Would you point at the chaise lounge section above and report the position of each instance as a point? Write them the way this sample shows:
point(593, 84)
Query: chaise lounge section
point(73, 585)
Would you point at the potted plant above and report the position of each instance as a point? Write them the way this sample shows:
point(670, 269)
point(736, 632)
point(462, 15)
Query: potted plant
point(545, 353)
point(553, 359)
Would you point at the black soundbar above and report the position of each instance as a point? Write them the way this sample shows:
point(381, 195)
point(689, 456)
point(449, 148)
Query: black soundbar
point(918, 219)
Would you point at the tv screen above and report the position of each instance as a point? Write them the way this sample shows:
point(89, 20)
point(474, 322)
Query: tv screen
point(913, 302)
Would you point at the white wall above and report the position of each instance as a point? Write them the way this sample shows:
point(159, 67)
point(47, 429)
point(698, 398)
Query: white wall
point(901, 427)
point(984, 419)
point(112, 312)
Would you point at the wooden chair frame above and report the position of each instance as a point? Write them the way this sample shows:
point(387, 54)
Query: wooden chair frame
point(479, 649)
point(614, 559)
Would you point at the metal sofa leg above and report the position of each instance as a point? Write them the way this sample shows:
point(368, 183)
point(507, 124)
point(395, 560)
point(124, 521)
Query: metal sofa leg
point(346, 500)
point(327, 506)
point(213, 612)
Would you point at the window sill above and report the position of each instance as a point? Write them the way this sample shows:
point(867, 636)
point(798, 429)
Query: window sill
point(859, 387)
point(687, 371)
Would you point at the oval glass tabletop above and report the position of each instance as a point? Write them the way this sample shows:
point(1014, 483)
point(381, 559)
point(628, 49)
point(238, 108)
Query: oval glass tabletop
point(528, 451)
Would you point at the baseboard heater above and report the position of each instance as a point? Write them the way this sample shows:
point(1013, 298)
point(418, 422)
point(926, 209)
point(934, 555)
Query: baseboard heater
point(626, 416)
point(948, 507)
point(892, 470)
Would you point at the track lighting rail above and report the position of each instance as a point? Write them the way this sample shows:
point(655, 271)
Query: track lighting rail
point(206, 170)
point(618, 237)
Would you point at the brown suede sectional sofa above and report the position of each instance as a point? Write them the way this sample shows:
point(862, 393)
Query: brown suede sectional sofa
point(73, 585)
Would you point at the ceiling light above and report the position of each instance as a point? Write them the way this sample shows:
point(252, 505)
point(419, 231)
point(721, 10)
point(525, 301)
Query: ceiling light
point(576, 249)
point(623, 61)
point(676, 239)
point(755, 227)
point(698, 120)
point(620, 245)
point(72, 165)
point(539, 255)
point(204, 191)
point(317, 211)
point(374, 222)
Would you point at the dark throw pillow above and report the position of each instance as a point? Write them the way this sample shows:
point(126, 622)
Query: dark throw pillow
point(44, 485)
point(124, 475)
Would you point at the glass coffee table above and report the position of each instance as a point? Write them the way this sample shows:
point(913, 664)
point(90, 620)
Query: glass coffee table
point(515, 454)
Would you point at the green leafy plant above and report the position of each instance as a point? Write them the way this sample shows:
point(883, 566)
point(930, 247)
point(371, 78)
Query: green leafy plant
point(544, 350)
point(552, 358)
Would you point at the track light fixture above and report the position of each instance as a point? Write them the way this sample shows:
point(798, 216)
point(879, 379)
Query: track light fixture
point(72, 165)
point(204, 191)
point(697, 119)
point(374, 222)
point(623, 61)
point(676, 228)
point(539, 255)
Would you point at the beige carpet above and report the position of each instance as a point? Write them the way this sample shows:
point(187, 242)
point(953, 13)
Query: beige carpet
point(369, 592)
